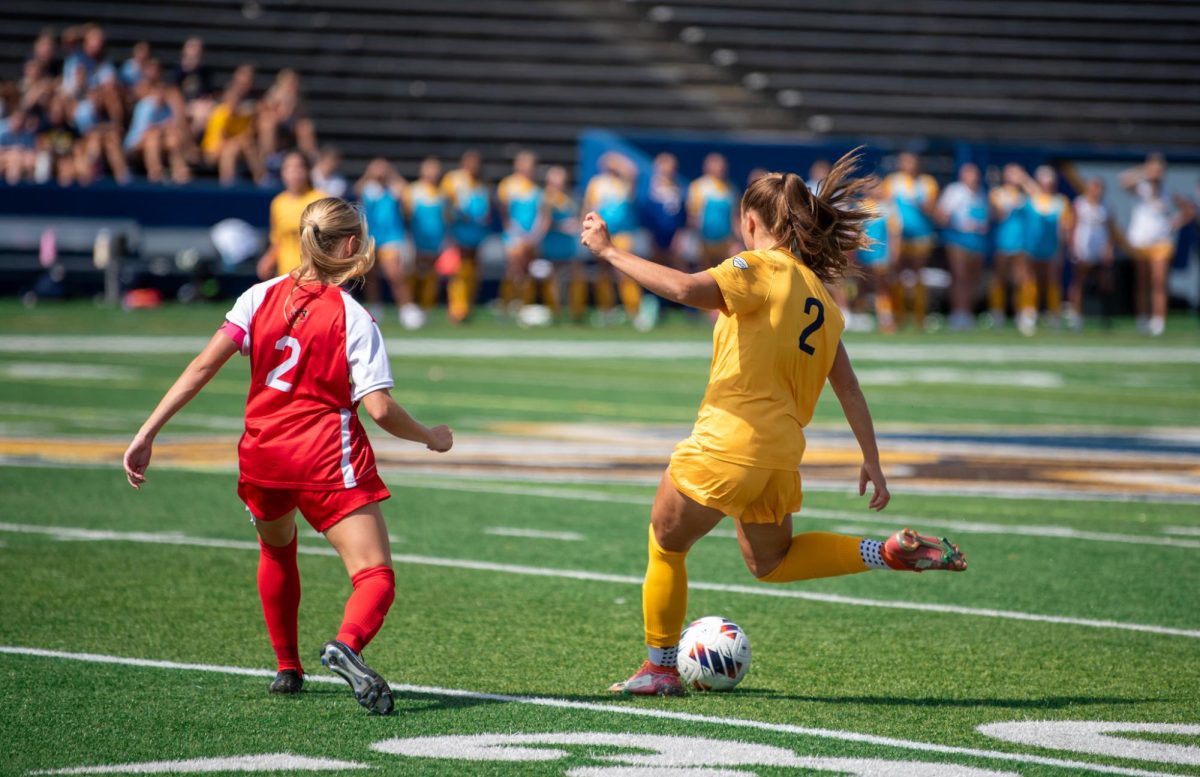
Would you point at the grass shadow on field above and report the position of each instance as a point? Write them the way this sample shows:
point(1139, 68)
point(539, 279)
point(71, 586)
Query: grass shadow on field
point(1047, 703)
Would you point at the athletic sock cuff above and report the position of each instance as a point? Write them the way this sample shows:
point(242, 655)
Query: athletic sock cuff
point(280, 552)
point(872, 554)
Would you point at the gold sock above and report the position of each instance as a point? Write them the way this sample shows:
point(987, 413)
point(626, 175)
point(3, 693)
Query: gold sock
point(818, 554)
point(997, 294)
point(920, 299)
point(528, 289)
point(883, 309)
point(631, 296)
point(1027, 296)
point(604, 294)
point(460, 291)
point(898, 293)
point(429, 289)
point(579, 297)
point(664, 595)
point(550, 294)
point(1054, 297)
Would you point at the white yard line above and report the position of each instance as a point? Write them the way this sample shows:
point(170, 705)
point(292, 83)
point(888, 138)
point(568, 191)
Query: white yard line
point(935, 353)
point(172, 538)
point(1182, 531)
point(533, 534)
point(612, 709)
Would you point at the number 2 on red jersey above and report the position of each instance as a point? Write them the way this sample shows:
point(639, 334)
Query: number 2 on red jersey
point(275, 377)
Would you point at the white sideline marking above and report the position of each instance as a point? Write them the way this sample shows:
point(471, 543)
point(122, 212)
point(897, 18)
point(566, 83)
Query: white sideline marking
point(268, 762)
point(71, 533)
point(533, 534)
point(647, 712)
point(1182, 531)
point(66, 371)
point(479, 348)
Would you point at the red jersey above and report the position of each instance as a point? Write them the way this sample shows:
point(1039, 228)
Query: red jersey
point(314, 353)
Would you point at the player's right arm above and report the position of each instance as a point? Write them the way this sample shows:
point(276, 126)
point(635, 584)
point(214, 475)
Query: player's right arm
point(854, 405)
point(396, 421)
point(194, 377)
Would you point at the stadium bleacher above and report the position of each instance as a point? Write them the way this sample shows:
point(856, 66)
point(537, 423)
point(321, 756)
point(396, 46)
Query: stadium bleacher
point(1063, 71)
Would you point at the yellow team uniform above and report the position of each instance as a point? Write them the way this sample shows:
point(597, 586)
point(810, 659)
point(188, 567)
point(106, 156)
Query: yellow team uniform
point(773, 349)
point(286, 210)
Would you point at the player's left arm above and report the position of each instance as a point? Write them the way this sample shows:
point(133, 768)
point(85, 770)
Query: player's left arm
point(697, 290)
point(194, 377)
point(858, 415)
point(396, 421)
point(1185, 211)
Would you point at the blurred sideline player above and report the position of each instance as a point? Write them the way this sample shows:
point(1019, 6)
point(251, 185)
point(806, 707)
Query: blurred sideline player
point(915, 196)
point(776, 341)
point(560, 244)
point(712, 211)
point(1047, 230)
point(283, 253)
point(611, 194)
point(878, 257)
point(1091, 248)
point(381, 191)
point(963, 210)
point(470, 216)
point(315, 354)
point(520, 200)
point(1009, 216)
point(663, 211)
point(1152, 227)
point(427, 218)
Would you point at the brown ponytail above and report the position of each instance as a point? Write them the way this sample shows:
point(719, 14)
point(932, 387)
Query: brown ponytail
point(819, 229)
point(324, 226)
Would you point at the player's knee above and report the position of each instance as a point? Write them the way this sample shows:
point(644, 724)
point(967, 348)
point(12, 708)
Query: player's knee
point(761, 566)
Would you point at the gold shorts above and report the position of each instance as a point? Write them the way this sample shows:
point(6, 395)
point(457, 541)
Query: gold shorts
point(749, 494)
point(1159, 252)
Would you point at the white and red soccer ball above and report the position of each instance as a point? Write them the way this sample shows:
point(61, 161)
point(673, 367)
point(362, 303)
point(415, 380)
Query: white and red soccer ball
point(714, 654)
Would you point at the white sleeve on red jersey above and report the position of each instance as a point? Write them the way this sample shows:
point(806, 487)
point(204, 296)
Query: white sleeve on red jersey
point(365, 351)
point(242, 312)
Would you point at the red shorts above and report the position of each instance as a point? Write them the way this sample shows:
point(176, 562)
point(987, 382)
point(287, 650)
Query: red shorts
point(322, 509)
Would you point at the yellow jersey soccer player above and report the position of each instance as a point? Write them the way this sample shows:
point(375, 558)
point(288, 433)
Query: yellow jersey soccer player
point(776, 341)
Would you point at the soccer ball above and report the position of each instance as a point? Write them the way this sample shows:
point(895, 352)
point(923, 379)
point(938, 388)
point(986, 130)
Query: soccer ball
point(714, 654)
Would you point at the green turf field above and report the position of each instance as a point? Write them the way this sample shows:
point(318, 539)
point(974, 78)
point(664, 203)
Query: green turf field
point(130, 630)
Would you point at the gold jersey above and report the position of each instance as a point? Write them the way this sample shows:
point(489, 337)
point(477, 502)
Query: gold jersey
point(773, 347)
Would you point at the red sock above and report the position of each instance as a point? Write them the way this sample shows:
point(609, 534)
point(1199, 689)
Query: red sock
point(374, 590)
point(279, 589)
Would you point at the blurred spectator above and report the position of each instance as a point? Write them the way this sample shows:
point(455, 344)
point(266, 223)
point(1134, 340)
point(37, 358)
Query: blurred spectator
point(879, 258)
point(817, 173)
point(133, 69)
point(663, 212)
point(101, 133)
point(325, 173)
point(59, 149)
point(87, 71)
point(963, 211)
point(45, 54)
point(194, 82)
point(1153, 225)
point(610, 193)
point(426, 207)
point(282, 123)
point(1090, 248)
point(381, 190)
point(1007, 203)
point(283, 254)
point(466, 197)
point(520, 200)
point(713, 212)
point(1047, 228)
point(915, 196)
point(561, 242)
point(18, 141)
point(229, 135)
point(155, 131)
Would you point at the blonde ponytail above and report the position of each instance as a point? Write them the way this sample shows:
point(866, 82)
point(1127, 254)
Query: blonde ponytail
point(821, 228)
point(325, 225)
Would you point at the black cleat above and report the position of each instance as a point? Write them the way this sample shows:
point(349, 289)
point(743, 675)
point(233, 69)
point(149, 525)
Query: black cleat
point(371, 690)
point(287, 681)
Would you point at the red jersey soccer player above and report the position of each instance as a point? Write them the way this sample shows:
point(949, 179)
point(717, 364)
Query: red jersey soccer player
point(314, 355)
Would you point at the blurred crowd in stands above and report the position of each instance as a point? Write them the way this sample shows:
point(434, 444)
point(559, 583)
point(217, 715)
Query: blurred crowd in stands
point(75, 115)
point(1006, 236)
